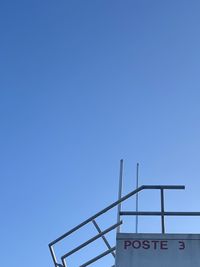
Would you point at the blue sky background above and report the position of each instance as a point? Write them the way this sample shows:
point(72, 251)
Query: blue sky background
point(82, 85)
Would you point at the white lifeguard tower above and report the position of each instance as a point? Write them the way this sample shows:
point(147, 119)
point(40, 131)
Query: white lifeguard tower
point(137, 249)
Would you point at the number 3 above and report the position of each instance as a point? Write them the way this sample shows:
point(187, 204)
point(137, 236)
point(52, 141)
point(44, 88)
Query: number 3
point(181, 245)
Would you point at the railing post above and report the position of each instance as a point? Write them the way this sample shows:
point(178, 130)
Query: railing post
point(162, 210)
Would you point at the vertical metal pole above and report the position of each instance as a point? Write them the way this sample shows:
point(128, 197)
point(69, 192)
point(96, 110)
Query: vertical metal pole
point(137, 183)
point(162, 211)
point(120, 193)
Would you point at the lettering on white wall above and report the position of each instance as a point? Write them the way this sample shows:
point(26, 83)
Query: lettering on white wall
point(152, 244)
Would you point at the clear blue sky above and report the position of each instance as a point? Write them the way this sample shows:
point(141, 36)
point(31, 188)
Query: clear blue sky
point(82, 85)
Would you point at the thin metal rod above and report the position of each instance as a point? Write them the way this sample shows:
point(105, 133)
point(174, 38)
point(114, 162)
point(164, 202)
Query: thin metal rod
point(98, 257)
point(171, 187)
point(53, 255)
point(162, 211)
point(158, 213)
point(90, 240)
point(103, 237)
point(137, 184)
point(120, 193)
point(143, 187)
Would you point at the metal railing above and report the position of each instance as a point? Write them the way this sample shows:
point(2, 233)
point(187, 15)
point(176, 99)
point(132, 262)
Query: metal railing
point(101, 234)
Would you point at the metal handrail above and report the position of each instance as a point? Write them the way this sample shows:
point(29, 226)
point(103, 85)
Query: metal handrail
point(114, 204)
point(143, 187)
point(159, 213)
